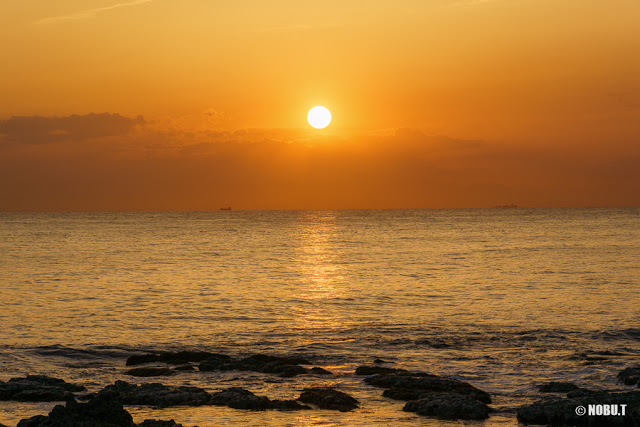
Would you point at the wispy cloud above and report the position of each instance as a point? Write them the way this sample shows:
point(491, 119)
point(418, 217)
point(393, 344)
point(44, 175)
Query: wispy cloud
point(90, 13)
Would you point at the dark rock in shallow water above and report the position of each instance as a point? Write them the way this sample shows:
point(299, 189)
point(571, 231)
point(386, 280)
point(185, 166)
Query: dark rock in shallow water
point(328, 398)
point(319, 371)
point(150, 372)
point(558, 411)
point(282, 366)
point(158, 423)
point(239, 398)
point(174, 358)
point(102, 411)
point(557, 387)
point(34, 421)
point(403, 383)
point(404, 394)
point(630, 376)
point(449, 406)
point(380, 361)
point(184, 368)
point(38, 388)
point(156, 394)
point(374, 370)
point(212, 364)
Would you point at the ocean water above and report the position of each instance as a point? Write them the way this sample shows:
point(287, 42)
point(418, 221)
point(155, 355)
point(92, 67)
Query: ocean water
point(505, 299)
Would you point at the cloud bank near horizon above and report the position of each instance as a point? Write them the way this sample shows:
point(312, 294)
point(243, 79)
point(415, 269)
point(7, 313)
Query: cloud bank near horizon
point(136, 164)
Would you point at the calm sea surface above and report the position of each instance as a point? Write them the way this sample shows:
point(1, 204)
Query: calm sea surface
point(502, 298)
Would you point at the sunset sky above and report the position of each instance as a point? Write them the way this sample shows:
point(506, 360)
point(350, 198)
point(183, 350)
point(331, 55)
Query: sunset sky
point(199, 104)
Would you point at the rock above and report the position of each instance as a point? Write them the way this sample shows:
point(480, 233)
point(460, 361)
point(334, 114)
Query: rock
point(559, 411)
point(174, 358)
point(412, 383)
point(102, 411)
point(239, 398)
point(282, 366)
point(379, 361)
point(150, 372)
point(328, 398)
point(283, 370)
point(374, 370)
point(38, 388)
point(34, 421)
point(451, 406)
point(158, 423)
point(212, 364)
point(156, 394)
point(319, 371)
point(557, 387)
point(630, 376)
point(184, 368)
point(404, 394)
point(139, 359)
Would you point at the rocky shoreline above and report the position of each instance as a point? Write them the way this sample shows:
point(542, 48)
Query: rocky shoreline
point(425, 394)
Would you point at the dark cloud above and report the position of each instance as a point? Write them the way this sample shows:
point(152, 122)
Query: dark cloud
point(41, 130)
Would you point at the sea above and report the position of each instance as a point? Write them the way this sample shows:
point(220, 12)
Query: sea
point(505, 299)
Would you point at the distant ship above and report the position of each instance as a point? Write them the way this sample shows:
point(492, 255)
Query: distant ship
point(228, 208)
point(506, 206)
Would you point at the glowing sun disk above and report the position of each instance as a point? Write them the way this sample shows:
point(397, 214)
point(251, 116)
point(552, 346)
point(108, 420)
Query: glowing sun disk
point(319, 117)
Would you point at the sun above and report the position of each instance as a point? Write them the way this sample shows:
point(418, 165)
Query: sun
point(319, 117)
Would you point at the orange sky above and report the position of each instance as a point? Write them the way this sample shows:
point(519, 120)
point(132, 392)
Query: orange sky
point(165, 104)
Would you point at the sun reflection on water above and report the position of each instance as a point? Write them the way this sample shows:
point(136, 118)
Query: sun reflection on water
point(318, 267)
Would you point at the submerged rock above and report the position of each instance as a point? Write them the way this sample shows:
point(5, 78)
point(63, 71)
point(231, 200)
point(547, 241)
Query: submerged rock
point(156, 394)
point(102, 411)
point(630, 376)
point(174, 358)
point(38, 388)
point(328, 398)
point(239, 398)
point(559, 411)
point(413, 385)
point(452, 406)
point(374, 370)
point(557, 387)
point(150, 372)
point(319, 371)
point(186, 367)
point(282, 366)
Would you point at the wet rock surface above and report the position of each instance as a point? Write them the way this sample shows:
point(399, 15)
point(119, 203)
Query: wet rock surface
point(38, 388)
point(557, 411)
point(174, 358)
point(159, 395)
point(104, 410)
point(557, 387)
point(630, 376)
point(239, 398)
point(433, 396)
point(448, 406)
point(328, 398)
point(282, 366)
point(413, 385)
point(319, 371)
